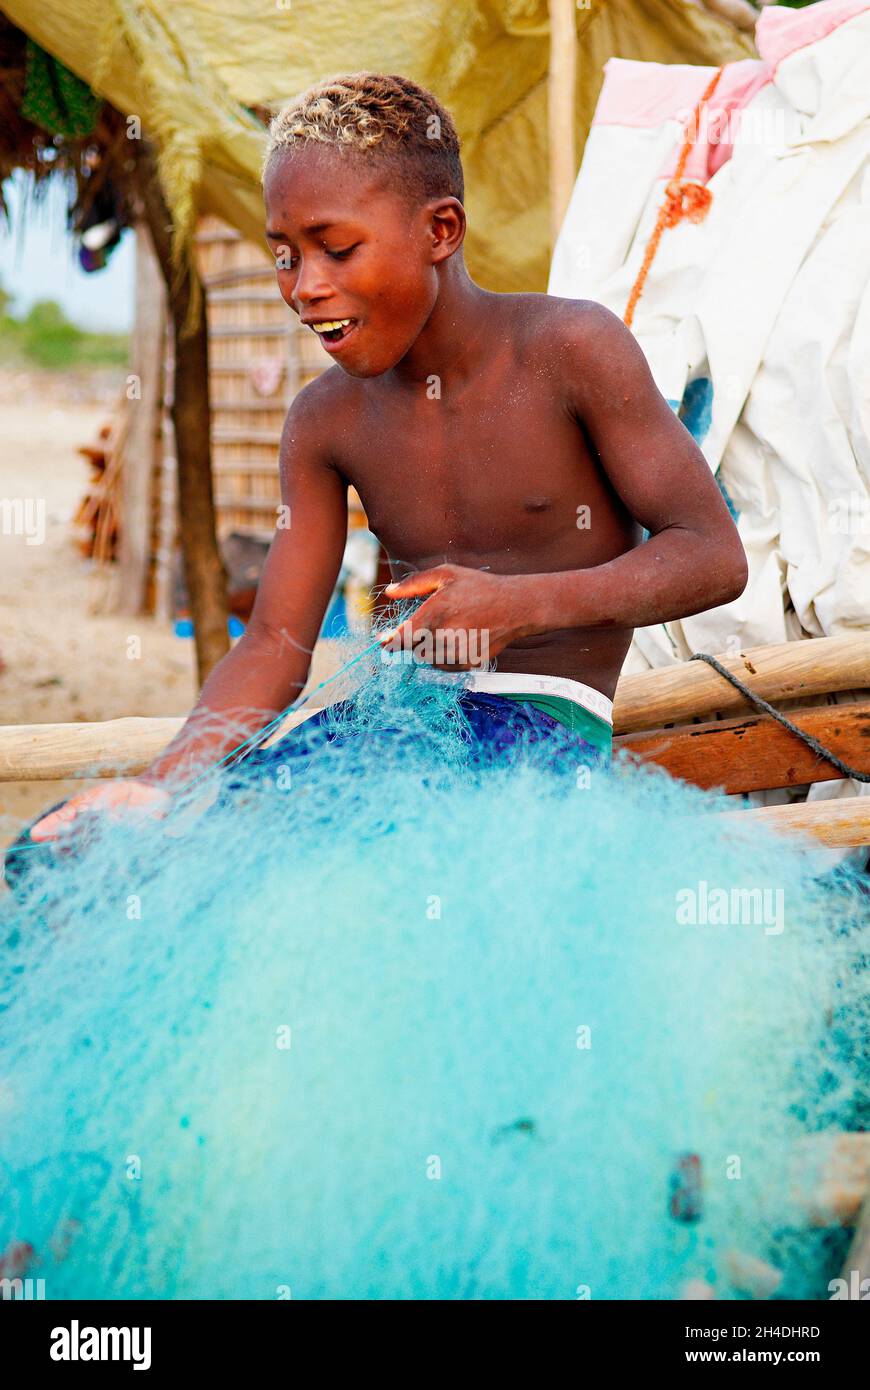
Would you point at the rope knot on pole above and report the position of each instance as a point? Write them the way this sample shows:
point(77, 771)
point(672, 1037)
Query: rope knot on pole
point(689, 200)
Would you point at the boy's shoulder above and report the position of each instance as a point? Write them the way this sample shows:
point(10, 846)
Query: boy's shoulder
point(564, 323)
point(323, 390)
point(580, 345)
point(324, 398)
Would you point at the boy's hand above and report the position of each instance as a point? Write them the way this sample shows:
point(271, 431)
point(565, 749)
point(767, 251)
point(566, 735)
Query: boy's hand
point(116, 799)
point(470, 617)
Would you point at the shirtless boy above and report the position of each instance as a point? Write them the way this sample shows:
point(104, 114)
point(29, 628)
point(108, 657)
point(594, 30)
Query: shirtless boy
point(509, 449)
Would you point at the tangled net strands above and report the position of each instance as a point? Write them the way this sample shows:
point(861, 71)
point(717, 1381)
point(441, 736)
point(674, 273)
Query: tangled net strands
point(386, 1023)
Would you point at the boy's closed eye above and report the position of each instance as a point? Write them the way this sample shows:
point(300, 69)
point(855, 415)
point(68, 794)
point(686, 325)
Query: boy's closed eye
point(287, 260)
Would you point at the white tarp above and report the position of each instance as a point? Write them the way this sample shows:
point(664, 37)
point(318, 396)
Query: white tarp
point(756, 320)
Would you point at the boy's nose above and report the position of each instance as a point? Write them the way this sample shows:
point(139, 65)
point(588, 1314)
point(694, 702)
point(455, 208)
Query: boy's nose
point(310, 285)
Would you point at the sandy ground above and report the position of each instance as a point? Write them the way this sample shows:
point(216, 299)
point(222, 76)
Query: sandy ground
point(65, 660)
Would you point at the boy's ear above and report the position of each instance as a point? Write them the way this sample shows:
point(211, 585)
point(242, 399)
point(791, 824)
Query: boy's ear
point(446, 227)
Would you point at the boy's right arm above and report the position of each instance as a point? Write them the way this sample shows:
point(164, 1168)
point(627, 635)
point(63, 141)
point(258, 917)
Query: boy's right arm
point(268, 667)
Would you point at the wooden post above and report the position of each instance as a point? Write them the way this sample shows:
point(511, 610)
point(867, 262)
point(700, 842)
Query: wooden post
point(840, 824)
point(737, 12)
point(561, 84)
point(785, 671)
point(167, 493)
point(756, 753)
point(51, 752)
point(141, 446)
point(203, 568)
point(113, 748)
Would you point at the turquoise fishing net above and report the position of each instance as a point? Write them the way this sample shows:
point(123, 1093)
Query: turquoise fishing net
point(393, 1025)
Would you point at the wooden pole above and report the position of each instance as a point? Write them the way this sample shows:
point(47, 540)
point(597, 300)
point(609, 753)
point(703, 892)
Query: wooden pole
point(141, 447)
point(755, 753)
point(561, 86)
point(203, 568)
point(840, 824)
point(785, 671)
point(737, 12)
point(51, 752)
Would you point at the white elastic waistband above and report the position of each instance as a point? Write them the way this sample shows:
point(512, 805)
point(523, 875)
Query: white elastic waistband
point(514, 683)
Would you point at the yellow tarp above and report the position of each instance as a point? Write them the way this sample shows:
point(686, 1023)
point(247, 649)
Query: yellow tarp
point(188, 67)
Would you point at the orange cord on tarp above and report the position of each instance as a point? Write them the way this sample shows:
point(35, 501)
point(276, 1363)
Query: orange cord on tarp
point(689, 199)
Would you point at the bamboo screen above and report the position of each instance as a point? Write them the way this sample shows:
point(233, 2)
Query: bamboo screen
point(259, 357)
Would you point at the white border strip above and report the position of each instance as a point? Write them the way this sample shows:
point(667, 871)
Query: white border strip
point(516, 683)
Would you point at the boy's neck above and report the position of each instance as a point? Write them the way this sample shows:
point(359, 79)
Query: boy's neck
point(453, 343)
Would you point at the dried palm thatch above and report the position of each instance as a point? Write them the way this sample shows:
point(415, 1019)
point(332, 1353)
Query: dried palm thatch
point(52, 125)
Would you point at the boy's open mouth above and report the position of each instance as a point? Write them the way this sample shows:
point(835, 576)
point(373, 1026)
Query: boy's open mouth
point(332, 331)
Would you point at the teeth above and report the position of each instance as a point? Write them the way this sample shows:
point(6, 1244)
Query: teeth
point(328, 326)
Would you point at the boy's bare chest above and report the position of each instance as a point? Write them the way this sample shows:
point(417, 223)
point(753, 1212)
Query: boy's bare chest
point(506, 477)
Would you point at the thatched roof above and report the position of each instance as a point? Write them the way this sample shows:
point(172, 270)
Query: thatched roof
point(88, 160)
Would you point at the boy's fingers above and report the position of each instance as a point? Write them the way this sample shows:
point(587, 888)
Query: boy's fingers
point(138, 797)
point(50, 826)
point(426, 582)
point(417, 622)
point(393, 635)
point(116, 801)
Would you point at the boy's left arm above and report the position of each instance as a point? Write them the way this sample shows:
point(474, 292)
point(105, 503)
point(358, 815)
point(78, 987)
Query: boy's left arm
point(693, 559)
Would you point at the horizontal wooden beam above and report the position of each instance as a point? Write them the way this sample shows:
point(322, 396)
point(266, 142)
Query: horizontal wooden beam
point(225, 435)
point(52, 752)
point(840, 824)
point(756, 753)
point(269, 403)
point(252, 330)
point(239, 276)
point(786, 671)
point(247, 504)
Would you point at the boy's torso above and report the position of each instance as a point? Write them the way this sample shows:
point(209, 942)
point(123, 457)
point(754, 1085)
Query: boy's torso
point(494, 472)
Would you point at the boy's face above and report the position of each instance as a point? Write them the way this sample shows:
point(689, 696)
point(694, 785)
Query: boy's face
point(348, 246)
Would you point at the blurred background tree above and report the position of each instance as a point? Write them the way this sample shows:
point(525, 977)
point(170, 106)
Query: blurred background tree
point(44, 337)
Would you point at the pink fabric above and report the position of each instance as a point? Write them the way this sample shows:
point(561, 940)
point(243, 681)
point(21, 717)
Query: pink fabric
point(646, 94)
point(734, 91)
point(781, 31)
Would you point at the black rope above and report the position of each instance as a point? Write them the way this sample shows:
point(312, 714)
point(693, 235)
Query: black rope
point(818, 748)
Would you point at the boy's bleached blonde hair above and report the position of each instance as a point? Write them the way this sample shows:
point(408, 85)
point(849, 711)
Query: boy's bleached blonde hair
point(388, 117)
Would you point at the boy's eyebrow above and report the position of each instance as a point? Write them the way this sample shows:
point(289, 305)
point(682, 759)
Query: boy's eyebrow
point(313, 227)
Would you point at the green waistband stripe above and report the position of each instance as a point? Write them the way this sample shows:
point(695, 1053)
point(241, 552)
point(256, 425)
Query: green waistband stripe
point(575, 717)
